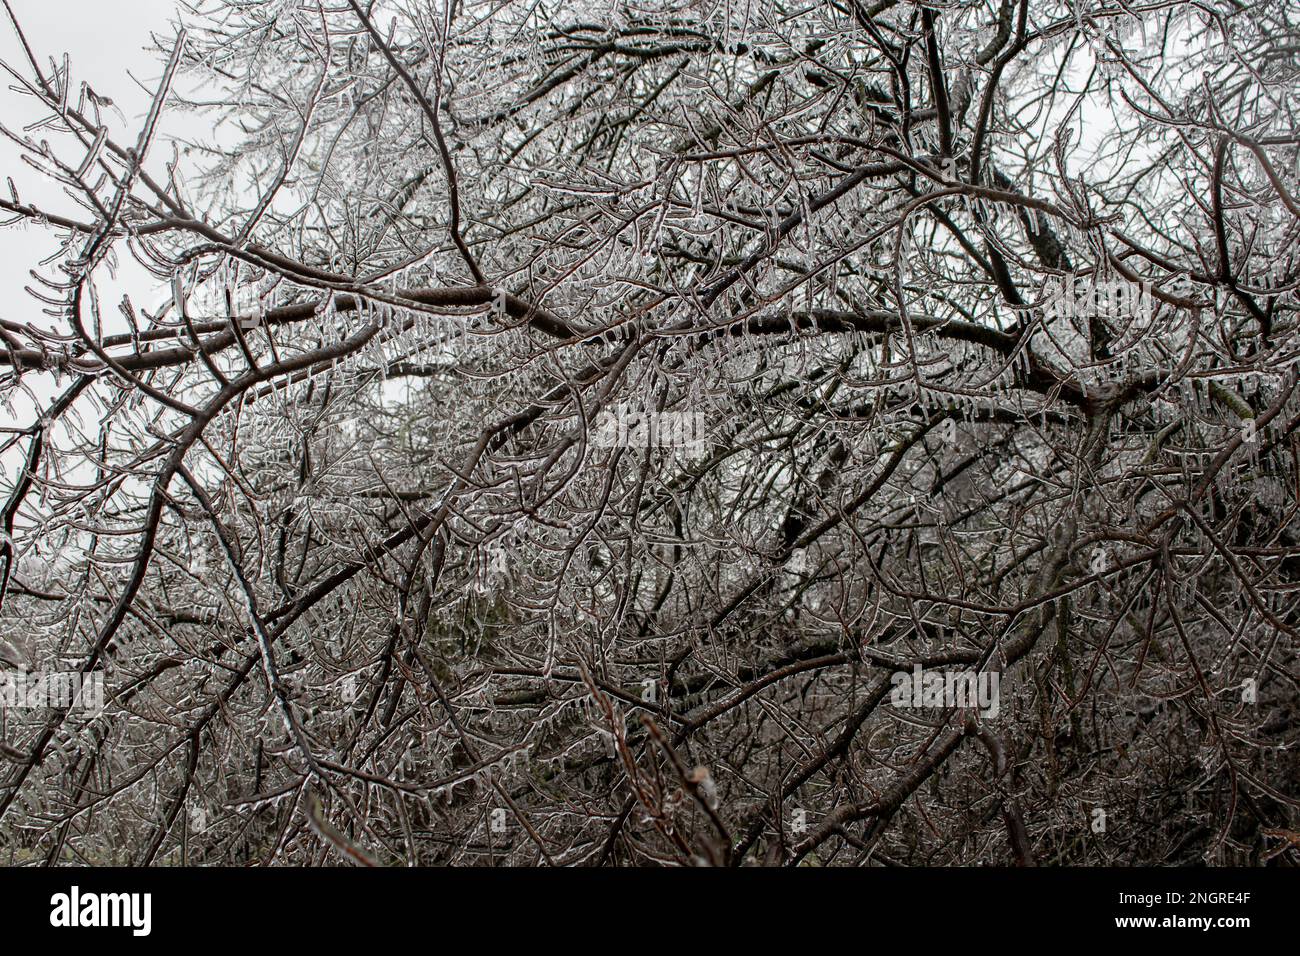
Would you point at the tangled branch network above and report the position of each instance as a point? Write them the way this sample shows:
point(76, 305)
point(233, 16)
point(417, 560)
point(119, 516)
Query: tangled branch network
point(658, 432)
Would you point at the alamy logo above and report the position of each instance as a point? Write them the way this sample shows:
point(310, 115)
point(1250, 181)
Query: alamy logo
point(627, 427)
point(75, 909)
point(920, 688)
point(74, 689)
point(1081, 297)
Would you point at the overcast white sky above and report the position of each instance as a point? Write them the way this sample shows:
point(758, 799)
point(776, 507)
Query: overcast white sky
point(105, 41)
